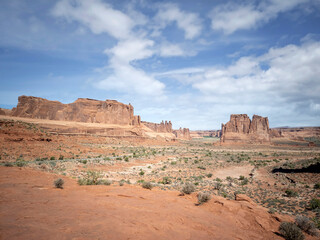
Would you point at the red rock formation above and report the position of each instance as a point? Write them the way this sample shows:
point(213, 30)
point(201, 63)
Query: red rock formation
point(182, 133)
point(82, 110)
point(163, 127)
point(295, 133)
point(205, 133)
point(6, 112)
point(240, 129)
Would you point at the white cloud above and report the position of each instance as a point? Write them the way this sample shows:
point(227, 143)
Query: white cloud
point(131, 49)
point(287, 75)
point(231, 16)
point(131, 80)
point(171, 50)
point(126, 78)
point(99, 17)
point(190, 23)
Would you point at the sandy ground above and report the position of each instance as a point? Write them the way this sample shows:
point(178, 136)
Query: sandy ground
point(31, 208)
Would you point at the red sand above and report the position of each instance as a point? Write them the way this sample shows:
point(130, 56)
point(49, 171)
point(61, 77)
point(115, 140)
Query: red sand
point(31, 208)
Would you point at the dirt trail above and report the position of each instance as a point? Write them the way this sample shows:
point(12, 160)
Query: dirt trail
point(31, 208)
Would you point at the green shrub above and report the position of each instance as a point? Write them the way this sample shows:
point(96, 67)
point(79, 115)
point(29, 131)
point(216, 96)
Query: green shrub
point(166, 180)
point(244, 181)
point(290, 231)
point(306, 225)
point(316, 186)
point(147, 185)
point(241, 177)
point(92, 178)
point(121, 183)
point(188, 188)
point(21, 163)
point(61, 157)
point(291, 193)
point(104, 182)
point(314, 203)
point(52, 158)
point(8, 164)
point(203, 197)
point(141, 173)
point(59, 183)
point(209, 175)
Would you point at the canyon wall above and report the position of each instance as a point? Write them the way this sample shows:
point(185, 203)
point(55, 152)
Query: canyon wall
point(241, 130)
point(82, 110)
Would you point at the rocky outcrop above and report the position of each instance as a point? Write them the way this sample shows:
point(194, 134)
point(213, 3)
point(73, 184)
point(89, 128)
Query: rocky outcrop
point(166, 127)
point(295, 133)
point(205, 133)
point(6, 112)
point(82, 110)
point(182, 133)
point(241, 130)
point(163, 127)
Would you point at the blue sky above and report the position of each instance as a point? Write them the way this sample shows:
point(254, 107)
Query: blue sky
point(191, 62)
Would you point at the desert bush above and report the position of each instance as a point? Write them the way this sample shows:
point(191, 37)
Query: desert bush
point(59, 183)
point(8, 164)
point(244, 181)
point(92, 178)
point(188, 188)
point(121, 182)
point(218, 185)
point(203, 197)
point(61, 157)
point(209, 175)
point(21, 163)
point(316, 186)
point(52, 158)
point(306, 225)
point(291, 193)
point(141, 173)
point(166, 180)
point(147, 185)
point(290, 231)
point(104, 182)
point(314, 203)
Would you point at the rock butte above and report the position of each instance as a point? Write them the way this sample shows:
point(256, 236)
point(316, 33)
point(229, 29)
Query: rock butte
point(86, 110)
point(241, 130)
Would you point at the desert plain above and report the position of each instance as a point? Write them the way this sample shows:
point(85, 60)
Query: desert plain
point(126, 181)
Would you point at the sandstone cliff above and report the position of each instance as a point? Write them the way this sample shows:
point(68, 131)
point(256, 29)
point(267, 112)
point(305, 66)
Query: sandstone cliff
point(205, 133)
point(82, 110)
point(6, 112)
point(241, 130)
point(163, 127)
point(182, 133)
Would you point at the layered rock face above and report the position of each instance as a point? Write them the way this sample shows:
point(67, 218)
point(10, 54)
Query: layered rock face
point(163, 127)
point(205, 133)
point(241, 130)
point(6, 112)
point(295, 133)
point(182, 133)
point(82, 110)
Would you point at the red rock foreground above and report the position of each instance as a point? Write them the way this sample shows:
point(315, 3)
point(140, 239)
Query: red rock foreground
point(31, 208)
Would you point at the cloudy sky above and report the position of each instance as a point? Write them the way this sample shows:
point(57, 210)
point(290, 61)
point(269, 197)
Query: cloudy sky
point(191, 62)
